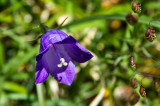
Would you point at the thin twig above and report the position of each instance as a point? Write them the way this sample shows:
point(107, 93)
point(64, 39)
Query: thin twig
point(98, 98)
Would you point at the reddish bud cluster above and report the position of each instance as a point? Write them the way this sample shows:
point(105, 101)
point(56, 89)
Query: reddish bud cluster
point(142, 91)
point(136, 7)
point(150, 34)
point(132, 63)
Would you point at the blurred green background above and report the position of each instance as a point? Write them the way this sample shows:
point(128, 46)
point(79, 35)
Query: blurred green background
point(100, 26)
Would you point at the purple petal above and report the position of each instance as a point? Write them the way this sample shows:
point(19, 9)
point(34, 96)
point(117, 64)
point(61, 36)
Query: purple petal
point(50, 59)
point(68, 40)
point(75, 50)
point(39, 56)
point(78, 53)
point(67, 76)
point(51, 37)
point(41, 73)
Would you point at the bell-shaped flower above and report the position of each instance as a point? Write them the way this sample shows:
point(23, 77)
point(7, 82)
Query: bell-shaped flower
point(58, 51)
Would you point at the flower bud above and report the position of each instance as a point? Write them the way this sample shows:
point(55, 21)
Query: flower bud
point(134, 83)
point(134, 98)
point(136, 7)
point(142, 91)
point(131, 18)
point(132, 63)
point(150, 34)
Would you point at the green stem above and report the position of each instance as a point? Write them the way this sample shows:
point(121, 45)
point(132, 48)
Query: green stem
point(40, 94)
point(110, 17)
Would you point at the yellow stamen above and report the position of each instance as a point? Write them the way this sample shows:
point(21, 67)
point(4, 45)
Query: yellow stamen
point(59, 65)
point(65, 64)
point(62, 63)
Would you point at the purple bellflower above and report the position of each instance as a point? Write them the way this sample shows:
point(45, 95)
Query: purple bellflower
point(56, 57)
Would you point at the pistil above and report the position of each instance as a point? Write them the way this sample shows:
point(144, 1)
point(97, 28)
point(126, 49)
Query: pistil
point(62, 60)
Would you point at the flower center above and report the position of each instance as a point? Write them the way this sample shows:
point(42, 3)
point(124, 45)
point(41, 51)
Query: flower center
point(62, 63)
point(62, 60)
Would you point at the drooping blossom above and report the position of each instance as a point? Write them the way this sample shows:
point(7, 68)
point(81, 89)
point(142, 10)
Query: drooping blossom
point(56, 57)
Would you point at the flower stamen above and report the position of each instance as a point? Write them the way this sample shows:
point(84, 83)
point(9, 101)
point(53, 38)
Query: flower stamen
point(63, 63)
point(62, 60)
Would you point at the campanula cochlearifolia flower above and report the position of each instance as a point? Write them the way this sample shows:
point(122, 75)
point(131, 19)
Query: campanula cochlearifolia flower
point(56, 57)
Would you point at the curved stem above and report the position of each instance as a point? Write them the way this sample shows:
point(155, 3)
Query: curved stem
point(40, 94)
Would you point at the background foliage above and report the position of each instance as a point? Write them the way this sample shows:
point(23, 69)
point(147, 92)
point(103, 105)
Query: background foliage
point(100, 26)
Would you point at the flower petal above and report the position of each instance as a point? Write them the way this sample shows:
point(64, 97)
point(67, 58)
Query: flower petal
point(39, 56)
point(68, 40)
point(78, 53)
point(67, 76)
point(75, 50)
point(51, 37)
point(50, 59)
point(41, 73)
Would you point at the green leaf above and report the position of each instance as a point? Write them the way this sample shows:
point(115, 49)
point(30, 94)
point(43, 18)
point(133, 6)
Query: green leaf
point(20, 76)
point(1, 55)
point(152, 5)
point(20, 96)
point(142, 19)
point(11, 86)
point(118, 60)
point(19, 60)
point(146, 52)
